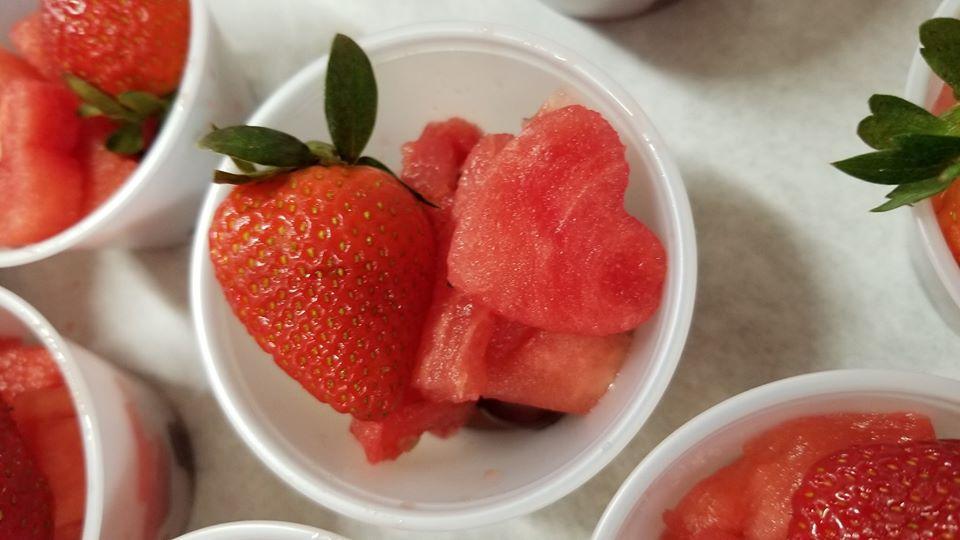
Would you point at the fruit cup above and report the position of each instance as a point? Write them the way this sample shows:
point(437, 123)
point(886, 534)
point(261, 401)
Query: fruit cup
point(714, 438)
point(935, 265)
point(260, 530)
point(497, 76)
point(158, 202)
point(135, 453)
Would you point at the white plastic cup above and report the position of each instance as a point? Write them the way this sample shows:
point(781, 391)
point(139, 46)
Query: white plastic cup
point(602, 9)
point(716, 437)
point(125, 428)
point(260, 530)
point(157, 205)
point(938, 271)
point(494, 76)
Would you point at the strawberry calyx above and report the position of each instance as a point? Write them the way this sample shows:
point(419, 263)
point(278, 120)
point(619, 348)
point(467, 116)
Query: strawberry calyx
point(350, 102)
point(916, 151)
point(130, 110)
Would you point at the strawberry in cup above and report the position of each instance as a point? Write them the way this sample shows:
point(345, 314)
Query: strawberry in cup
point(80, 106)
point(483, 270)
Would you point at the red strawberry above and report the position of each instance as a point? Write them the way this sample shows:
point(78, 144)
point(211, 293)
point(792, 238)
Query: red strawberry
point(329, 269)
point(24, 368)
point(120, 45)
point(25, 502)
point(947, 207)
point(907, 490)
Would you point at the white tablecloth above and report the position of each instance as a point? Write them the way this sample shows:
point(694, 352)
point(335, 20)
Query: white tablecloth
point(755, 98)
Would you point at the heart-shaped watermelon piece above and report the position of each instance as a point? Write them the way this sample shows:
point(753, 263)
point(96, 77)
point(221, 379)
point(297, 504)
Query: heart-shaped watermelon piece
point(542, 236)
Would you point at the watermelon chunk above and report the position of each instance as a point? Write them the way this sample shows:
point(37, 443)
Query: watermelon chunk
point(475, 166)
point(400, 431)
point(12, 68)
point(37, 114)
point(450, 363)
point(105, 171)
point(40, 178)
point(27, 36)
point(431, 164)
point(24, 368)
point(714, 506)
point(752, 497)
point(544, 238)
point(48, 422)
point(549, 370)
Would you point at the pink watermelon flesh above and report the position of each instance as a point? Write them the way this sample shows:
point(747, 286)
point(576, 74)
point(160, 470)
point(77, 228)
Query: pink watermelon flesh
point(40, 178)
point(560, 372)
point(14, 68)
point(27, 36)
point(400, 432)
point(450, 364)
point(431, 164)
point(105, 171)
point(37, 114)
point(752, 497)
point(543, 237)
point(450, 361)
point(475, 166)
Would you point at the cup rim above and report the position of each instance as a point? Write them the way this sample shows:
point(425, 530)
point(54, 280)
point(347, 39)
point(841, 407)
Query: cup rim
point(271, 530)
point(677, 306)
point(152, 162)
point(59, 349)
point(933, 244)
point(670, 450)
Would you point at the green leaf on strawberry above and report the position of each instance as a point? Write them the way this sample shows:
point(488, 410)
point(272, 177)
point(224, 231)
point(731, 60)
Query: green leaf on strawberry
point(131, 110)
point(350, 103)
point(916, 151)
point(940, 40)
point(351, 98)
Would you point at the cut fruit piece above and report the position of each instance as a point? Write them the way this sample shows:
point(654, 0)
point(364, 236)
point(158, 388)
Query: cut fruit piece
point(431, 164)
point(28, 38)
point(752, 498)
point(475, 166)
point(714, 506)
point(43, 191)
point(39, 177)
point(48, 422)
point(450, 362)
point(560, 372)
point(26, 504)
point(37, 114)
point(14, 68)
point(24, 368)
point(400, 431)
point(544, 239)
point(105, 171)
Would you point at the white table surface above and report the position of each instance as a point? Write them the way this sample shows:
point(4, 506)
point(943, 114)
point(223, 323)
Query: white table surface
point(754, 97)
